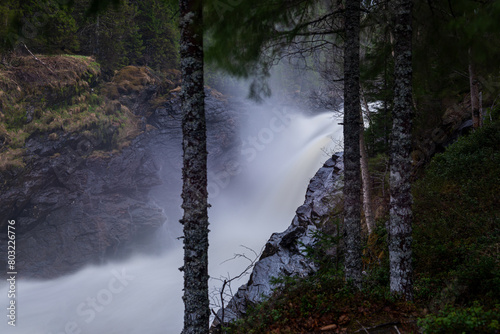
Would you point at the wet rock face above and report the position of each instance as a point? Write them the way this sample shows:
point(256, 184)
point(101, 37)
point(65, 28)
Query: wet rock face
point(73, 208)
point(70, 212)
point(283, 253)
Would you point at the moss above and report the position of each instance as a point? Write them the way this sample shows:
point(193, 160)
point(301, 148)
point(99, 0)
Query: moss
point(12, 159)
point(37, 84)
point(129, 80)
point(59, 99)
point(64, 95)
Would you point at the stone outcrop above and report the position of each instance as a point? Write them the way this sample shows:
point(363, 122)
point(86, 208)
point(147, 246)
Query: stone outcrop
point(76, 202)
point(284, 252)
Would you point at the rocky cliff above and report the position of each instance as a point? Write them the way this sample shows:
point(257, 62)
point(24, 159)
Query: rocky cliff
point(78, 201)
point(283, 254)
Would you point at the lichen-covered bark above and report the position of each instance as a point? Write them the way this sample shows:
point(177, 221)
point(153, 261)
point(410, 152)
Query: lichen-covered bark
point(474, 93)
point(194, 171)
point(367, 185)
point(365, 174)
point(400, 225)
point(352, 179)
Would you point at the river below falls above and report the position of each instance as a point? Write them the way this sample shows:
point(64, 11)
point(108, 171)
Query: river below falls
point(143, 294)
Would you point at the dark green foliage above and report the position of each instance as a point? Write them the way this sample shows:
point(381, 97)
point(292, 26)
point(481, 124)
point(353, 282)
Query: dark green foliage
point(135, 40)
point(451, 36)
point(321, 252)
point(377, 78)
point(44, 26)
point(105, 36)
point(247, 38)
point(376, 263)
point(99, 6)
point(240, 32)
point(157, 26)
point(474, 319)
point(131, 32)
point(444, 33)
point(377, 134)
point(457, 215)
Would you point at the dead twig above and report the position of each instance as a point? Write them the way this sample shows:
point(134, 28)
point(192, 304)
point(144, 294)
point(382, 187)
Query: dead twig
point(37, 59)
point(226, 281)
point(363, 327)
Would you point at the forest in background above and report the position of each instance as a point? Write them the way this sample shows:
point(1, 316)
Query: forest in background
point(142, 33)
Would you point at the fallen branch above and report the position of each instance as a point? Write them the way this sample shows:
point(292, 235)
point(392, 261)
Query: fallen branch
point(38, 60)
point(362, 327)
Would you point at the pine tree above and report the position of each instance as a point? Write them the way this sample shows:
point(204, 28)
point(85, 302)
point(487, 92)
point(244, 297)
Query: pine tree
point(9, 12)
point(400, 223)
point(194, 171)
point(352, 179)
point(44, 26)
point(156, 21)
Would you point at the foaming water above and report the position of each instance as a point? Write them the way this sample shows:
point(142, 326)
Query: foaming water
point(143, 294)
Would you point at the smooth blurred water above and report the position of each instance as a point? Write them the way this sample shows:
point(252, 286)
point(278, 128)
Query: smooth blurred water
point(143, 294)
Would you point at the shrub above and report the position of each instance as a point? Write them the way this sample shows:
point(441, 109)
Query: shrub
point(473, 319)
point(457, 215)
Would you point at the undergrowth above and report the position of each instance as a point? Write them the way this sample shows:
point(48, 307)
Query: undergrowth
point(474, 319)
point(457, 222)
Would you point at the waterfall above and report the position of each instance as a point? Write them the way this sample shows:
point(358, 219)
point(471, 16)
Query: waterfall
point(143, 294)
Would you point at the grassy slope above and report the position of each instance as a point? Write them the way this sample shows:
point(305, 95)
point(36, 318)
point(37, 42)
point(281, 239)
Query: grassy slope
point(62, 94)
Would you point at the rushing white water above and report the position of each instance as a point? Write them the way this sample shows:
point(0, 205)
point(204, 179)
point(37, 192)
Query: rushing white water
point(143, 294)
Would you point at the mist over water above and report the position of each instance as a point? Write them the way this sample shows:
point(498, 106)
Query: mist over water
point(282, 150)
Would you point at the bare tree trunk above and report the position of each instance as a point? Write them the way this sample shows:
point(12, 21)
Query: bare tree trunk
point(194, 171)
point(97, 32)
point(474, 93)
point(400, 228)
point(367, 186)
point(367, 183)
point(352, 180)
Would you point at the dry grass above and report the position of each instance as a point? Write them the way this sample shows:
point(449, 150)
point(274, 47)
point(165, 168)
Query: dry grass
point(57, 96)
point(129, 80)
point(12, 159)
point(28, 78)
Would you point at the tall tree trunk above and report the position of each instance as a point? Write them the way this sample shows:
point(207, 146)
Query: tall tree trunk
point(97, 32)
point(400, 227)
point(194, 171)
point(352, 179)
point(474, 93)
point(365, 174)
point(367, 186)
